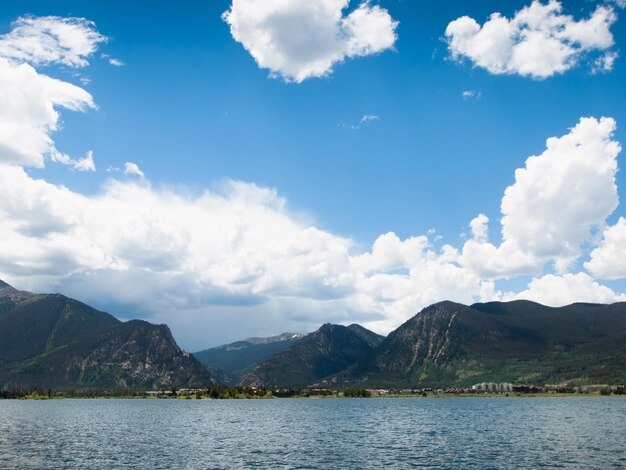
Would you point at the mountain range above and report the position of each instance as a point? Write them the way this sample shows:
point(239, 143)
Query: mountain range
point(453, 345)
point(236, 359)
point(50, 340)
point(54, 341)
point(327, 351)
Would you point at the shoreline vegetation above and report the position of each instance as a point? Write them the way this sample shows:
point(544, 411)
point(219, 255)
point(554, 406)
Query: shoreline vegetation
point(235, 393)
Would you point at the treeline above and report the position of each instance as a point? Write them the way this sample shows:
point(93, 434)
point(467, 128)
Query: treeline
point(219, 392)
point(357, 393)
point(222, 392)
point(617, 391)
point(41, 393)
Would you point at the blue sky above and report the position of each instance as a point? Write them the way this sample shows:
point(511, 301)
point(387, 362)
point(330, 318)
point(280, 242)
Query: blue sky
point(192, 108)
point(192, 105)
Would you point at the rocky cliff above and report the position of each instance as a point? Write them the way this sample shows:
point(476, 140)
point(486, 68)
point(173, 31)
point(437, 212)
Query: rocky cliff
point(54, 341)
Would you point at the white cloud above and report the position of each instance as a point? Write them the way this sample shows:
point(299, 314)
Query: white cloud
point(131, 168)
point(27, 112)
point(112, 60)
point(160, 251)
point(565, 193)
point(618, 3)
point(172, 256)
point(488, 261)
point(365, 120)
point(51, 40)
point(300, 39)
point(496, 262)
point(29, 99)
point(605, 62)
point(555, 291)
point(608, 260)
point(222, 247)
point(368, 118)
point(182, 258)
point(468, 94)
point(557, 203)
point(539, 41)
point(480, 228)
point(82, 164)
point(390, 253)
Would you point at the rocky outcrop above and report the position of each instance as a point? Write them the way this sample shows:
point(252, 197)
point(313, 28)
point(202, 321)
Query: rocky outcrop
point(449, 344)
point(54, 341)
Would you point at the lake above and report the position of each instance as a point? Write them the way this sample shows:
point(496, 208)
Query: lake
point(315, 433)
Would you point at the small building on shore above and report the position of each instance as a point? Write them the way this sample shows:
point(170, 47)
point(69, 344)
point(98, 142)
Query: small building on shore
point(504, 387)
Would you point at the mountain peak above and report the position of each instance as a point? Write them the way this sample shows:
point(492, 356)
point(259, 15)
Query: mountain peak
point(329, 350)
point(6, 289)
point(69, 344)
point(452, 345)
point(238, 358)
point(445, 304)
point(273, 339)
point(371, 338)
point(328, 327)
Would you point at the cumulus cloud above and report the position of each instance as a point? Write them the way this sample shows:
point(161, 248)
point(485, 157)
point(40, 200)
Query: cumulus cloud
point(555, 290)
point(29, 100)
point(191, 259)
point(497, 262)
point(27, 112)
point(131, 226)
point(131, 168)
point(162, 251)
point(300, 39)
point(174, 256)
point(538, 42)
point(82, 164)
point(390, 253)
point(480, 228)
point(608, 260)
point(51, 40)
point(565, 193)
point(605, 62)
point(557, 203)
point(240, 243)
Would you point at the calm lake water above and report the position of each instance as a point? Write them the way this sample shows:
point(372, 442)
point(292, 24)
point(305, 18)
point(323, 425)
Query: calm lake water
point(315, 433)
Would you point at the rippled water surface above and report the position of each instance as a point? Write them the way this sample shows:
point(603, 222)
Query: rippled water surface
point(315, 433)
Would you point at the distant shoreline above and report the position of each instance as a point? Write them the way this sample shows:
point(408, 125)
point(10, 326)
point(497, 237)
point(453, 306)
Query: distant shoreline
point(318, 397)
